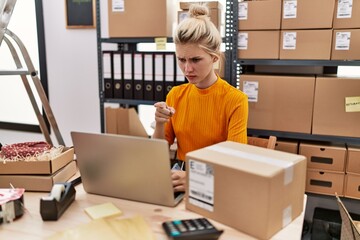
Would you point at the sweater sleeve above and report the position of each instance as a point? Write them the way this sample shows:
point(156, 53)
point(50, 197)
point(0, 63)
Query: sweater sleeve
point(237, 130)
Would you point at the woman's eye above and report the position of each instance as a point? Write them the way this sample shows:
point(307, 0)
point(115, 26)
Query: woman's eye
point(196, 60)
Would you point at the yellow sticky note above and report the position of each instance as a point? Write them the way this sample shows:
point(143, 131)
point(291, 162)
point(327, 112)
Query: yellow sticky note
point(160, 43)
point(352, 104)
point(103, 211)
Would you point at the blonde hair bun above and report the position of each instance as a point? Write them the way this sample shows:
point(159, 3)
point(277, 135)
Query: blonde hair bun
point(198, 11)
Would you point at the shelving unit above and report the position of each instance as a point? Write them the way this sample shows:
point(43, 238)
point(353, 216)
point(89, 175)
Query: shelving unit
point(130, 43)
point(329, 66)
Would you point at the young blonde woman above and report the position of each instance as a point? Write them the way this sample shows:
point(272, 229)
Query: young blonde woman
point(207, 109)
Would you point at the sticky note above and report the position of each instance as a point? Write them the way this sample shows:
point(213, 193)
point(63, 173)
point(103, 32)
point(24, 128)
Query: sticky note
point(352, 104)
point(160, 43)
point(103, 211)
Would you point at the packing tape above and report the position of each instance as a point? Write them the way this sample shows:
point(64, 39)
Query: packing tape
point(57, 191)
point(287, 166)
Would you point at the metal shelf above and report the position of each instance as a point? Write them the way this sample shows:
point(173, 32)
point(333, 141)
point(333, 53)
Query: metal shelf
point(129, 101)
point(298, 62)
point(132, 40)
point(305, 136)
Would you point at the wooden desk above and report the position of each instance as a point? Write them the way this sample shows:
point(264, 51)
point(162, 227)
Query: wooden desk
point(30, 226)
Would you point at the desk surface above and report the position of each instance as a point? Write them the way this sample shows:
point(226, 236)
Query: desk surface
point(31, 226)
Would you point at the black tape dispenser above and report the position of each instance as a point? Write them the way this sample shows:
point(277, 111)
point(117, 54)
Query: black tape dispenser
point(60, 198)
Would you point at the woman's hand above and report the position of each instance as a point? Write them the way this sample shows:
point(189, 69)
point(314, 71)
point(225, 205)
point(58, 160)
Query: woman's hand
point(163, 112)
point(178, 180)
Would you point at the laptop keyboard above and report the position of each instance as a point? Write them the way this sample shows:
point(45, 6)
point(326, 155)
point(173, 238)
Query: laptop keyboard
point(176, 194)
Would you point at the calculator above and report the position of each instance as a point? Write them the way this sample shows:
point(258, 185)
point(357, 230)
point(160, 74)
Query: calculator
point(191, 229)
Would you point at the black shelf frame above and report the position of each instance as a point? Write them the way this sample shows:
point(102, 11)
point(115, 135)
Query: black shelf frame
point(305, 136)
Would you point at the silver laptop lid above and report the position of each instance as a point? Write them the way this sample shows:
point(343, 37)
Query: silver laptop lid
point(127, 167)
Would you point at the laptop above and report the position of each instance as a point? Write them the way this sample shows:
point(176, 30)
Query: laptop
point(127, 167)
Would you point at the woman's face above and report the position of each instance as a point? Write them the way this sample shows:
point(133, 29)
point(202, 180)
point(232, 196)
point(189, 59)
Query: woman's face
point(196, 64)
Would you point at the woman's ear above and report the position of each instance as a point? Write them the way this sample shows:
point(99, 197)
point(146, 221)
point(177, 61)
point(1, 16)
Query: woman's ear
point(215, 59)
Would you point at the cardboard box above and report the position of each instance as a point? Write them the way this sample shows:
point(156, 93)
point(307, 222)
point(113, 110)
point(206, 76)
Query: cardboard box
point(353, 160)
point(330, 158)
point(258, 44)
point(260, 15)
point(42, 183)
point(336, 106)
point(245, 186)
point(153, 19)
point(305, 44)
point(347, 15)
point(346, 44)
point(287, 146)
point(279, 103)
point(324, 182)
point(38, 167)
point(124, 121)
point(307, 14)
point(352, 185)
point(215, 9)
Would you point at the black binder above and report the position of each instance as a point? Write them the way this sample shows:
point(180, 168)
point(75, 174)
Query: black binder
point(170, 65)
point(138, 76)
point(108, 74)
point(148, 83)
point(159, 62)
point(118, 83)
point(128, 75)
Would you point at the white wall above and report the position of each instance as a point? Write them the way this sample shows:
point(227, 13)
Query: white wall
point(72, 77)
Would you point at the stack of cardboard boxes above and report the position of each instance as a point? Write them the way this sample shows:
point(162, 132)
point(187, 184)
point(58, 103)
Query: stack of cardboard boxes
point(39, 175)
point(300, 29)
point(311, 104)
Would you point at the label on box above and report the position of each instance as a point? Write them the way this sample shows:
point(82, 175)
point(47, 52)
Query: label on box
point(201, 185)
point(289, 40)
point(290, 9)
point(243, 11)
point(344, 9)
point(118, 6)
point(243, 41)
point(251, 89)
point(342, 41)
point(352, 104)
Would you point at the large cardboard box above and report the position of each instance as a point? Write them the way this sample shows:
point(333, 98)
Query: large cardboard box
point(258, 44)
point(346, 14)
point(323, 182)
point(279, 103)
point(336, 106)
point(38, 167)
point(141, 18)
point(287, 146)
point(124, 121)
point(305, 44)
point(260, 15)
point(255, 190)
point(323, 157)
point(215, 9)
point(307, 14)
point(352, 185)
point(353, 160)
point(346, 44)
point(42, 183)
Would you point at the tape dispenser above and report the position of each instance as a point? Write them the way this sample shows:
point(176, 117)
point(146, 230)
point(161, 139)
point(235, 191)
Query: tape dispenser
point(60, 198)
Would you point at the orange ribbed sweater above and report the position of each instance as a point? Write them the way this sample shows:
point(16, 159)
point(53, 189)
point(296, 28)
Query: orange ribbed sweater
point(206, 116)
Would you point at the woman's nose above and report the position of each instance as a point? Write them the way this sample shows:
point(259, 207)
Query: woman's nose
point(188, 67)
